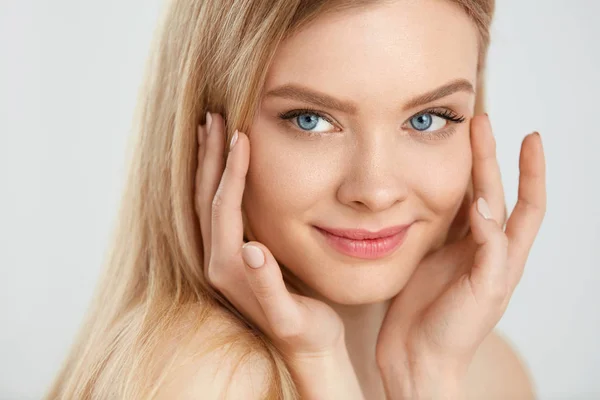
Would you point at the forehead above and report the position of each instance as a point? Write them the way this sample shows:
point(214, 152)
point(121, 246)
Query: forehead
point(399, 49)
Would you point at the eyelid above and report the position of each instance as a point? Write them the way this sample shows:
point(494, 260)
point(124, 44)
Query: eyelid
point(452, 119)
point(288, 116)
point(442, 112)
point(299, 111)
point(446, 113)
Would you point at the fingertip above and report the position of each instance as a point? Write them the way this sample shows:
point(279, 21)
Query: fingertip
point(268, 257)
point(487, 118)
point(481, 118)
point(241, 136)
point(532, 151)
point(237, 137)
point(253, 256)
point(537, 135)
point(483, 208)
point(208, 119)
point(482, 136)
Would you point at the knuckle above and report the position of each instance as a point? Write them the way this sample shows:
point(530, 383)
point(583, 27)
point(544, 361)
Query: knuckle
point(496, 293)
point(217, 204)
point(502, 240)
point(262, 290)
point(215, 278)
point(495, 290)
point(435, 333)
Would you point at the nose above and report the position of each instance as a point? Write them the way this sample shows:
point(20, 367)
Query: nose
point(374, 177)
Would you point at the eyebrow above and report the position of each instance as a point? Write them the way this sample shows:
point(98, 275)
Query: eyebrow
point(304, 94)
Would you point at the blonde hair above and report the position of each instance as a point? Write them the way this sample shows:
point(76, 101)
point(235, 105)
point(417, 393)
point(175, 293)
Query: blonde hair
point(207, 55)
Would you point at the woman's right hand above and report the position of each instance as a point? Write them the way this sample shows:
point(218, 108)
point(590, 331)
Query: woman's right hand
point(307, 331)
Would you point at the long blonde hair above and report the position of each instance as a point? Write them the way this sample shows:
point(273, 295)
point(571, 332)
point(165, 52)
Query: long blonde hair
point(206, 55)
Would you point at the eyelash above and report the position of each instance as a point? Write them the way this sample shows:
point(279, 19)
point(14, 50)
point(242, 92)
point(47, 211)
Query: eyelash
point(445, 113)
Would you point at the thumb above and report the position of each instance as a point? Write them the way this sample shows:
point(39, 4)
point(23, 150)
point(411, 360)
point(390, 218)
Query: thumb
point(266, 281)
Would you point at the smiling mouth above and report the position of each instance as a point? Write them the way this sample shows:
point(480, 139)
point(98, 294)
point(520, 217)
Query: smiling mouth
point(369, 249)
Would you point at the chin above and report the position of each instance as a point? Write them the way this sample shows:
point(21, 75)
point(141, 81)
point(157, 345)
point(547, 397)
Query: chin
point(359, 298)
point(355, 285)
point(325, 274)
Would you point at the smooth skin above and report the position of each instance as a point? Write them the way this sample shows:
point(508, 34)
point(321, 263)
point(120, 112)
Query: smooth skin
point(307, 330)
point(352, 324)
point(469, 283)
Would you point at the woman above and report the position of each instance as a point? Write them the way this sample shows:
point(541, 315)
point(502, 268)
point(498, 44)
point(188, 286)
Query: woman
point(346, 144)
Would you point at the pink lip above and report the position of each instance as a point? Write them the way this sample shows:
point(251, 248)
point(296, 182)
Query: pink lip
point(365, 244)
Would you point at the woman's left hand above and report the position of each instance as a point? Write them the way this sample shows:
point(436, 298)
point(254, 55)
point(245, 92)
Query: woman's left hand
point(458, 293)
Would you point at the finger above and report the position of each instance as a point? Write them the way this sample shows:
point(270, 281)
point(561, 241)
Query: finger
point(212, 168)
point(488, 276)
point(487, 180)
point(227, 230)
point(526, 218)
point(471, 306)
point(265, 278)
point(198, 180)
point(200, 157)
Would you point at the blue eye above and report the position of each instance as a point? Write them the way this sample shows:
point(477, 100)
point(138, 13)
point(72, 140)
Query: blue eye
point(432, 122)
point(425, 121)
point(307, 120)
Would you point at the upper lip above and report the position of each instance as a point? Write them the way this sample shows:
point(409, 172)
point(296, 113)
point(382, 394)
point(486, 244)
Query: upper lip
point(359, 234)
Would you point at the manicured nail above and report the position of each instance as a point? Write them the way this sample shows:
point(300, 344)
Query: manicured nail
point(253, 256)
point(208, 121)
point(233, 140)
point(483, 208)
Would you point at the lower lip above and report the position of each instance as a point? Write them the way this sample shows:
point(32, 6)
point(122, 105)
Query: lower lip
point(369, 249)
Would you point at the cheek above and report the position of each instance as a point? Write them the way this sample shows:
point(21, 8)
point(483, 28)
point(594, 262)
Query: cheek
point(442, 177)
point(284, 183)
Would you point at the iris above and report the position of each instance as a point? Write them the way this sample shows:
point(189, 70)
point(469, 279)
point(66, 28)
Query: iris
point(421, 122)
point(307, 121)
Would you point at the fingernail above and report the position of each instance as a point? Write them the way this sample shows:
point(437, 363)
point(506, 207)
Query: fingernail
point(208, 121)
point(233, 140)
point(253, 256)
point(483, 208)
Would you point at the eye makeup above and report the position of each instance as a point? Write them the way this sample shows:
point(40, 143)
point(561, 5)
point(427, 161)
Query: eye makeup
point(450, 118)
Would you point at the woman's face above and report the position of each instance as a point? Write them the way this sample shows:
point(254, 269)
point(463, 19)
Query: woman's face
point(368, 161)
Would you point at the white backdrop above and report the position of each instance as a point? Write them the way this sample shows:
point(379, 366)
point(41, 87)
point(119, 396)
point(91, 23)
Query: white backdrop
point(69, 75)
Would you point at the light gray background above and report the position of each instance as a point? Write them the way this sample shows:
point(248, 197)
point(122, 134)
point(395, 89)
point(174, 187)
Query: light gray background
point(69, 74)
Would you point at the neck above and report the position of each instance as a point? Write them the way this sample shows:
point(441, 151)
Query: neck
point(361, 326)
point(362, 323)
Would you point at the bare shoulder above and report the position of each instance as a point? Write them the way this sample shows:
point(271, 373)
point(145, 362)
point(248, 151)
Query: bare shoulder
point(497, 372)
point(214, 365)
